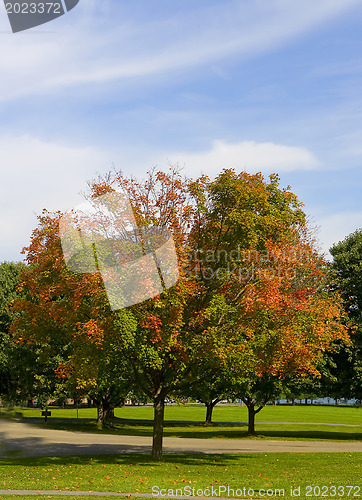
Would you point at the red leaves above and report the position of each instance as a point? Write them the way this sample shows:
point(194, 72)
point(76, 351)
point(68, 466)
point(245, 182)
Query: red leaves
point(153, 323)
point(92, 330)
point(64, 371)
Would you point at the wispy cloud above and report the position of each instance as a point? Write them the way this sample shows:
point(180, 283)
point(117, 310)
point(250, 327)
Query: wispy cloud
point(108, 47)
point(42, 161)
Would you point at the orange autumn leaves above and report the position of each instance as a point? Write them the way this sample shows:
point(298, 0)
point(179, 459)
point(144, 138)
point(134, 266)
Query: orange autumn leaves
point(287, 315)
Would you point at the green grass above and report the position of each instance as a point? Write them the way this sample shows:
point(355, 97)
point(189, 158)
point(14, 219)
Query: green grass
point(187, 421)
point(138, 474)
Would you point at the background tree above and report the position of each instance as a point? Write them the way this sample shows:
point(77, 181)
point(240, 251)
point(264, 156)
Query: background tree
point(255, 392)
point(211, 387)
point(9, 290)
point(99, 369)
point(347, 264)
point(303, 388)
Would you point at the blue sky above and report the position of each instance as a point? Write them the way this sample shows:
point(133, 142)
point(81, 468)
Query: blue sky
point(256, 85)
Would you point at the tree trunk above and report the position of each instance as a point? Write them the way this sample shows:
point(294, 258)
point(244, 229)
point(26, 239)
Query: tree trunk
point(251, 418)
point(159, 413)
point(105, 411)
point(209, 407)
point(100, 414)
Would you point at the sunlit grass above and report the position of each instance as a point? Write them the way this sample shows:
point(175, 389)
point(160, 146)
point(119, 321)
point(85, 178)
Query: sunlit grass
point(351, 415)
point(138, 474)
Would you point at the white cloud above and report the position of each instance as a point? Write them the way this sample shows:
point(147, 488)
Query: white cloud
point(249, 156)
point(38, 174)
point(103, 46)
point(246, 155)
point(35, 175)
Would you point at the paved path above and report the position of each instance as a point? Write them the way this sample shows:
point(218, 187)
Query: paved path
point(27, 440)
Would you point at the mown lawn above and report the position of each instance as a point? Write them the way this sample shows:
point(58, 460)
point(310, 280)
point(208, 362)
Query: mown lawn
point(138, 474)
point(281, 413)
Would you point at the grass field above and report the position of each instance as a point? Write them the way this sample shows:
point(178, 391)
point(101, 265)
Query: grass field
point(138, 474)
point(299, 422)
point(335, 475)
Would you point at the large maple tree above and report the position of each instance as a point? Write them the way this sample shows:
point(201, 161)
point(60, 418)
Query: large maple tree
point(161, 348)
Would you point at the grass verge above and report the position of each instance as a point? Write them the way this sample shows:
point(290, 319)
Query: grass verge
point(215, 473)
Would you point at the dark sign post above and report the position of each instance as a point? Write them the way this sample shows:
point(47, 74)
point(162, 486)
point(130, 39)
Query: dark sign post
point(46, 414)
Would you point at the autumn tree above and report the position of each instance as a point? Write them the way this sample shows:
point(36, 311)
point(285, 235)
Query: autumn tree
point(72, 304)
point(265, 296)
point(252, 288)
point(161, 348)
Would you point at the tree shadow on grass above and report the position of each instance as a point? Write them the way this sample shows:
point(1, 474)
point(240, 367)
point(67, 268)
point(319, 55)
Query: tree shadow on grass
point(191, 429)
point(137, 459)
point(144, 428)
point(330, 435)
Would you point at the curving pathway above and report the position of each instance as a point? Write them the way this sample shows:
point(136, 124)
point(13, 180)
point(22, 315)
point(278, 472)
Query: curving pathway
point(27, 440)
